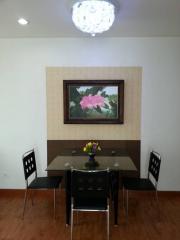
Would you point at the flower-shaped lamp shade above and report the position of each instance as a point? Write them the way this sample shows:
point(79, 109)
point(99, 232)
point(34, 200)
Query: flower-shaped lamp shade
point(93, 16)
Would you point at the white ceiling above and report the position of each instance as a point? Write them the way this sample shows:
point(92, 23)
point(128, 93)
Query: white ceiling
point(52, 18)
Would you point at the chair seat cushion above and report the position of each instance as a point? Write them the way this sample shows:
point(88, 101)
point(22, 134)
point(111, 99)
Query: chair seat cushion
point(45, 182)
point(140, 184)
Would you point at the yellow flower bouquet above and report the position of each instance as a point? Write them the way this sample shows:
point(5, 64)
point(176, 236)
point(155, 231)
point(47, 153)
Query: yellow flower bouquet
point(91, 148)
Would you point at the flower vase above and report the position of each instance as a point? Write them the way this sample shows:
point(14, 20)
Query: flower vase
point(91, 161)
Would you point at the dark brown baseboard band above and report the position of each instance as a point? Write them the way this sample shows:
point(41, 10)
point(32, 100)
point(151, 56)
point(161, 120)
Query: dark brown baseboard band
point(44, 193)
point(119, 147)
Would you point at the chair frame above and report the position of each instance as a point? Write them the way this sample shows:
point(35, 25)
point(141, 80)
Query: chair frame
point(89, 210)
point(27, 175)
point(151, 171)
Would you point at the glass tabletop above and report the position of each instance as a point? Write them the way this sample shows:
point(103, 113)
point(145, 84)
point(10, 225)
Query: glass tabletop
point(123, 163)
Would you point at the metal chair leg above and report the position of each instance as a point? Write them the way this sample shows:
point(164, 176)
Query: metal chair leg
point(127, 204)
point(108, 222)
point(77, 217)
point(158, 206)
point(25, 199)
point(54, 203)
point(71, 222)
point(123, 200)
point(156, 196)
point(31, 195)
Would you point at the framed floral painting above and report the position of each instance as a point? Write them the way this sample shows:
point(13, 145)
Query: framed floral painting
point(93, 101)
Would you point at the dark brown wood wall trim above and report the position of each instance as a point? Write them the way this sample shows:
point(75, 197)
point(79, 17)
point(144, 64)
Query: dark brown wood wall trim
point(61, 147)
point(20, 193)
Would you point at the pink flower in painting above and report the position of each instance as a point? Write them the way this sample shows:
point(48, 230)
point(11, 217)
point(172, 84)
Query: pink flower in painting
point(92, 101)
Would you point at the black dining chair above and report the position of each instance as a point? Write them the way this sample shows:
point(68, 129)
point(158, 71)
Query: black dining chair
point(29, 164)
point(90, 192)
point(144, 184)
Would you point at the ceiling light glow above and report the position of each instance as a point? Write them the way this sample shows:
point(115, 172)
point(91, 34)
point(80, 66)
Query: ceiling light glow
point(22, 21)
point(93, 16)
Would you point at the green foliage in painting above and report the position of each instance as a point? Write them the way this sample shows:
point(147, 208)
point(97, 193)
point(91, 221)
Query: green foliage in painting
point(93, 102)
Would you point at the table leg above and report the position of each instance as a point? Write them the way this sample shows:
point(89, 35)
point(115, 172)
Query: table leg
point(114, 192)
point(68, 195)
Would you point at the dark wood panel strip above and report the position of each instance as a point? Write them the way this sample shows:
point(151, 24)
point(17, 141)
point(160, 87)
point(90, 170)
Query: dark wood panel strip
point(20, 193)
point(130, 147)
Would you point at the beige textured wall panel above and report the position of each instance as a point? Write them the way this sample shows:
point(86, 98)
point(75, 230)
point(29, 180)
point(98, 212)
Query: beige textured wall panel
point(130, 130)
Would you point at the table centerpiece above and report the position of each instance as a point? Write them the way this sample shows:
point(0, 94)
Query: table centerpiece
point(91, 148)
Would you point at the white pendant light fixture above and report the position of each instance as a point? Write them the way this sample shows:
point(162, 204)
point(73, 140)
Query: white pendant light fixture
point(94, 16)
point(22, 21)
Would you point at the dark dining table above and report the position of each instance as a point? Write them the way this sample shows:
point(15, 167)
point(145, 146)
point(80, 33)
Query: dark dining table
point(115, 164)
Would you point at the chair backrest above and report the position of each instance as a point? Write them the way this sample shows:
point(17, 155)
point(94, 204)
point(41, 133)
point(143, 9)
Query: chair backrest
point(90, 185)
point(29, 163)
point(154, 165)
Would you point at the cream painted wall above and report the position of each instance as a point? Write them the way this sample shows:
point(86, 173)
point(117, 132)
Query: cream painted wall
point(23, 96)
point(129, 130)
